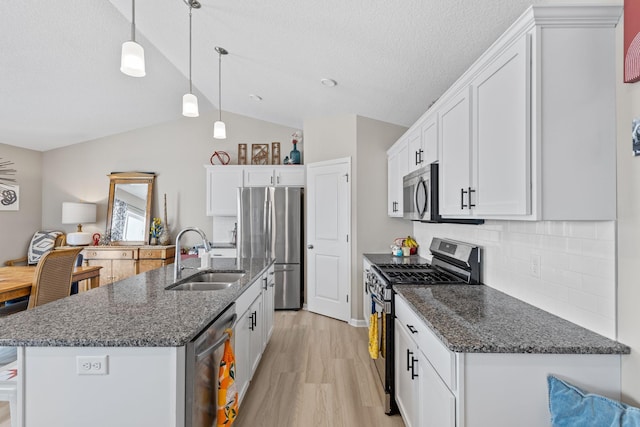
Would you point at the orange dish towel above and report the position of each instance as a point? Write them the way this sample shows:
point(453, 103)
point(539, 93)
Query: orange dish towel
point(227, 394)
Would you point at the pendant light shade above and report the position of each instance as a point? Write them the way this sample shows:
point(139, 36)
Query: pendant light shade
point(132, 58)
point(189, 100)
point(190, 105)
point(219, 129)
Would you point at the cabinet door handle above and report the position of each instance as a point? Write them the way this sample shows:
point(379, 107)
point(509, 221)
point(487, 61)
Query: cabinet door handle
point(264, 279)
point(470, 204)
point(278, 179)
point(412, 329)
point(414, 375)
point(417, 157)
point(409, 357)
point(462, 193)
point(271, 180)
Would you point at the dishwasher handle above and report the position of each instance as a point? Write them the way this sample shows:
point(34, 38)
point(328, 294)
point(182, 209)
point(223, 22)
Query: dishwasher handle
point(213, 347)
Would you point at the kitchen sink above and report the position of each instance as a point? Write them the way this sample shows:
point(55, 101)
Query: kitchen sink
point(208, 281)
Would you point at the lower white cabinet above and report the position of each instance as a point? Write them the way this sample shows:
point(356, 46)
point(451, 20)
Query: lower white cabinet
point(437, 387)
point(255, 323)
point(407, 376)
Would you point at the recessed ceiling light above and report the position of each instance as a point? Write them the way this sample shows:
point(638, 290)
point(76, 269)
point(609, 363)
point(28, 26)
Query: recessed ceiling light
point(255, 97)
point(328, 82)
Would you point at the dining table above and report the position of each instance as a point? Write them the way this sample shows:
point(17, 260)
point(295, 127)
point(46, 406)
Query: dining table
point(16, 281)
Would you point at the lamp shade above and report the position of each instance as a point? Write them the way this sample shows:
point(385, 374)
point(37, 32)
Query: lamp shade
point(189, 105)
point(219, 130)
point(132, 60)
point(78, 213)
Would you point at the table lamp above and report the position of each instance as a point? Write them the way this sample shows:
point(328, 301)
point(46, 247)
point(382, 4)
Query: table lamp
point(78, 213)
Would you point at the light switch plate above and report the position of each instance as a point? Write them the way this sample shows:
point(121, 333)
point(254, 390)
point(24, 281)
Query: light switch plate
point(92, 365)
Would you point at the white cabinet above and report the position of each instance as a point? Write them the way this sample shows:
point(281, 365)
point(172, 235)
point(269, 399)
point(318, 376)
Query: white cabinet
point(283, 176)
point(397, 168)
point(456, 195)
point(422, 365)
point(222, 189)
point(256, 343)
point(406, 378)
point(422, 140)
point(528, 132)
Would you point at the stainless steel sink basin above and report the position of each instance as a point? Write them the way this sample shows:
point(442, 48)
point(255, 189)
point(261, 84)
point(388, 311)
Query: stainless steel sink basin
point(208, 281)
point(201, 286)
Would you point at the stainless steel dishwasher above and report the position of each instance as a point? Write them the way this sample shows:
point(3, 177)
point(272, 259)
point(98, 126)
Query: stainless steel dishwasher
point(203, 355)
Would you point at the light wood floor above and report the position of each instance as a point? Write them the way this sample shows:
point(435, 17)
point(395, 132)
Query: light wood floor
point(315, 372)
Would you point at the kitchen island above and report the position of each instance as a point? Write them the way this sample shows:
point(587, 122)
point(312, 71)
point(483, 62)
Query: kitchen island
point(140, 327)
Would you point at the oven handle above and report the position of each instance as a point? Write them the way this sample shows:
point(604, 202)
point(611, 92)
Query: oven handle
point(377, 300)
point(213, 347)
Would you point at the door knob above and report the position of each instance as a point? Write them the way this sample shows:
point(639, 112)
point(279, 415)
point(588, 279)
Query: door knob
point(309, 246)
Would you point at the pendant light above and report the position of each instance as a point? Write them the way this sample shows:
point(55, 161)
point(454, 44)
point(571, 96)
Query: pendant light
point(132, 59)
point(189, 100)
point(219, 129)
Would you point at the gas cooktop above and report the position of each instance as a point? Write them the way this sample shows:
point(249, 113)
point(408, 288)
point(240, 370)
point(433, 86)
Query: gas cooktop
point(416, 273)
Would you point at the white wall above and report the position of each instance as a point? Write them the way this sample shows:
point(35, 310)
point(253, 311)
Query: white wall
point(176, 151)
point(577, 264)
point(366, 142)
point(17, 227)
point(628, 234)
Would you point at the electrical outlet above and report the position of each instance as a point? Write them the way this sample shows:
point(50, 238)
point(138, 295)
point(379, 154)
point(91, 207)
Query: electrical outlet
point(92, 365)
point(534, 265)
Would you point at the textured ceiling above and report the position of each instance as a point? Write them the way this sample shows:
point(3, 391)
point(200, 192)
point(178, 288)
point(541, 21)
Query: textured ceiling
point(60, 82)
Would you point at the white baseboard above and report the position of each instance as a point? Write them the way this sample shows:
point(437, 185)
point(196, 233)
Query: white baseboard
point(358, 323)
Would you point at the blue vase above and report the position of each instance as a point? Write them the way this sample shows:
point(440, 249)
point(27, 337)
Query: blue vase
point(294, 156)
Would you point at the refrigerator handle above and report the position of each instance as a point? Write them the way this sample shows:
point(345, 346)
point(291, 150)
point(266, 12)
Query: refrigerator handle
point(269, 229)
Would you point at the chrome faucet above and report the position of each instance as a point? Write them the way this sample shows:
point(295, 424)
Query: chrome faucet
point(177, 267)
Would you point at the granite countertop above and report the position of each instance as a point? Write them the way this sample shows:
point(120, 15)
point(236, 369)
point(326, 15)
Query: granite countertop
point(480, 319)
point(134, 312)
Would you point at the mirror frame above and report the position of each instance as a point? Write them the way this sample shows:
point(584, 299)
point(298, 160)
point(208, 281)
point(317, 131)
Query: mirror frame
point(130, 178)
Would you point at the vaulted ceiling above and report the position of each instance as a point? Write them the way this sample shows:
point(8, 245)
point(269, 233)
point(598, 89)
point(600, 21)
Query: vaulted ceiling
point(60, 81)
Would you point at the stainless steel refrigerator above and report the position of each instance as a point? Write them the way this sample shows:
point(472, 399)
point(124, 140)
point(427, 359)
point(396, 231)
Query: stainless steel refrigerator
point(270, 226)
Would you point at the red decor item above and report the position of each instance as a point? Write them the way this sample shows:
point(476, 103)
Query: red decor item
point(631, 41)
point(220, 158)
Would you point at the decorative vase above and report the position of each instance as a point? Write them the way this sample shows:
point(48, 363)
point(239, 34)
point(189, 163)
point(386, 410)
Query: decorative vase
point(153, 241)
point(294, 156)
point(165, 238)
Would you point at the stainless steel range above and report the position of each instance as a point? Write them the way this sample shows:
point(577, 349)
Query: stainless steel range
point(453, 262)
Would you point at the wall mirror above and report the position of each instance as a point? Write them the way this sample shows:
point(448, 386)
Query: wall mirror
point(129, 209)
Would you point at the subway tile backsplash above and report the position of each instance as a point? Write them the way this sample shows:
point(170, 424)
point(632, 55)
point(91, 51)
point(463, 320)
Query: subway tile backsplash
point(576, 279)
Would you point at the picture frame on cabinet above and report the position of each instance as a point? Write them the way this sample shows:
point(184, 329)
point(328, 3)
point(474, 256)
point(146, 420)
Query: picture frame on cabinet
point(275, 153)
point(259, 154)
point(631, 41)
point(9, 197)
point(242, 154)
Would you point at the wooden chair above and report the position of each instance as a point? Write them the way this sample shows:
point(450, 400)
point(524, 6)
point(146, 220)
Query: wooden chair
point(41, 243)
point(52, 280)
point(53, 276)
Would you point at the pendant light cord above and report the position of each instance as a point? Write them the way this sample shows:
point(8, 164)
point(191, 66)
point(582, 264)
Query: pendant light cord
point(220, 85)
point(190, 86)
point(133, 20)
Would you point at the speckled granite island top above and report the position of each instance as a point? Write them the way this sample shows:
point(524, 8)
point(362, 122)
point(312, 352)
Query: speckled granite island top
point(480, 319)
point(135, 312)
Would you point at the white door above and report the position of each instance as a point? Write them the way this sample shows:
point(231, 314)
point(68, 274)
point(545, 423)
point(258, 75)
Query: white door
point(329, 238)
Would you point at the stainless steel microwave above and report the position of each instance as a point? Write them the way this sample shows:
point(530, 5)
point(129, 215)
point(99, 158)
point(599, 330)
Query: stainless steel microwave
point(420, 197)
point(420, 194)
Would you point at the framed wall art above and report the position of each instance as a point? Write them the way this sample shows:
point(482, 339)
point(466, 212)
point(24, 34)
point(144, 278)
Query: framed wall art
point(259, 154)
point(631, 41)
point(275, 153)
point(242, 154)
point(9, 197)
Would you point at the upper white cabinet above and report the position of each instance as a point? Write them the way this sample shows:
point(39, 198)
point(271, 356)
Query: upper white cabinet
point(423, 142)
point(397, 168)
point(455, 155)
point(528, 132)
point(223, 183)
point(222, 189)
point(283, 176)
